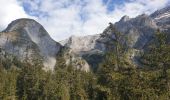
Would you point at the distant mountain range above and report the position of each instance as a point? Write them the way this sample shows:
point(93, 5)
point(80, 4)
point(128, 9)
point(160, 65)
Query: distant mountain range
point(28, 41)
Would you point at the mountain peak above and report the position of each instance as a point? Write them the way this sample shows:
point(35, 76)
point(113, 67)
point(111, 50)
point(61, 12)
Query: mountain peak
point(21, 23)
point(30, 32)
point(125, 18)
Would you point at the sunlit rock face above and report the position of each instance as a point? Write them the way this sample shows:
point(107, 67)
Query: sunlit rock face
point(81, 45)
point(29, 41)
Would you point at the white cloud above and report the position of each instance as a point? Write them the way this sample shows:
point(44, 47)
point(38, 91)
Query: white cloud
point(10, 10)
point(75, 17)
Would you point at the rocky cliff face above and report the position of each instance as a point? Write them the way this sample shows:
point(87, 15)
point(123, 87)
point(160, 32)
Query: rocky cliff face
point(138, 32)
point(28, 41)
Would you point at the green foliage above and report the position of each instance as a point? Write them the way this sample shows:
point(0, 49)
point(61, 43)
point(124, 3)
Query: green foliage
point(158, 53)
point(30, 82)
point(8, 84)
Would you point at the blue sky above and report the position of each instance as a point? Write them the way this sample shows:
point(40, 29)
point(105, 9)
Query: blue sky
point(111, 3)
point(63, 18)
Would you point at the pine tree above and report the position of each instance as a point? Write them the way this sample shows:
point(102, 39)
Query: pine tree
point(158, 54)
point(157, 57)
point(115, 64)
point(30, 82)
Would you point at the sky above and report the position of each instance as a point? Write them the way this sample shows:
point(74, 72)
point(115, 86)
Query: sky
point(64, 18)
